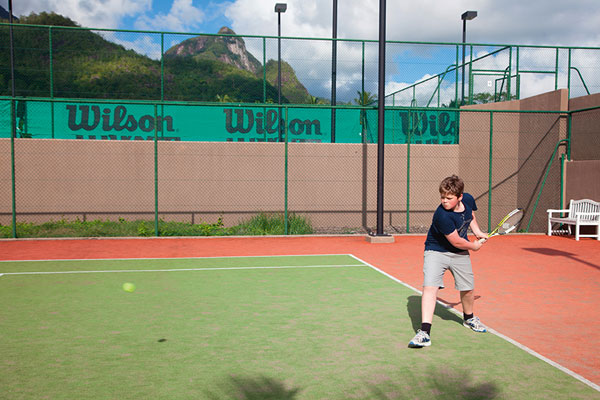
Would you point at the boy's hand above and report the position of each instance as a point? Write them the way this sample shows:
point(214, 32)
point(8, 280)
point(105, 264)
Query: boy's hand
point(477, 244)
point(481, 237)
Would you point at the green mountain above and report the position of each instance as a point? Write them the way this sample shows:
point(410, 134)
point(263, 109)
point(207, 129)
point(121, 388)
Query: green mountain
point(291, 87)
point(86, 65)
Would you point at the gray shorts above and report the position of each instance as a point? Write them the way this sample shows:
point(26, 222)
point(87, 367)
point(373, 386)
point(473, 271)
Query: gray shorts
point(435, 264)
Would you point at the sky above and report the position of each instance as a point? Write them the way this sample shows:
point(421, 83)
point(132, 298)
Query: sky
point(519, 22)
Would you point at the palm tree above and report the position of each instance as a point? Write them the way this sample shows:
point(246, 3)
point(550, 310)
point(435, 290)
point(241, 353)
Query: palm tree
point(364, 99)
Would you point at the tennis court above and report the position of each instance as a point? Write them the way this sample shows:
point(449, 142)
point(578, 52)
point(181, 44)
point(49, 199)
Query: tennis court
point(292, 318)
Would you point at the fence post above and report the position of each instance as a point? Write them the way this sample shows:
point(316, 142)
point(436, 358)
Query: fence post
point(13, 130)
point(264, 70)
point(490, 171)
point(408, 139)
point(285, 201)
point(51, 62)
point(155, 171)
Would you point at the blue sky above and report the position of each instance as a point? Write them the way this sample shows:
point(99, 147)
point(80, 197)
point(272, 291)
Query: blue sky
point(573, 23)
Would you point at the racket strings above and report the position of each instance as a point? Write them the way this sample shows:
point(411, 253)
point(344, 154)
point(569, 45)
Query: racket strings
point(510, 222)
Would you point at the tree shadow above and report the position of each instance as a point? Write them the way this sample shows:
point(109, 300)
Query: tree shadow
point(440, 383)
point(559, 253)
point(413, 307)
point(253, 388)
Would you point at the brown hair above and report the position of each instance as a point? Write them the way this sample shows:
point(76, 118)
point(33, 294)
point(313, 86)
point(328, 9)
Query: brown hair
point(452, 184)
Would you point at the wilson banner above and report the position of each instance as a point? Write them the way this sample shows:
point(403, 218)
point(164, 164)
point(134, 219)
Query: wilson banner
point(216, 123)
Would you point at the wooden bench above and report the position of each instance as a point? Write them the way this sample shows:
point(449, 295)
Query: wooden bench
point(580, 213)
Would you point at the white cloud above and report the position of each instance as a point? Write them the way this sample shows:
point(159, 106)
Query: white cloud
point(532, 22)
point(89, 13)
point(183, 16)
point(143, 44)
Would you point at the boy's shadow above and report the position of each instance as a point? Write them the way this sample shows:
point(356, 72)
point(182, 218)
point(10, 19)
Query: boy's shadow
point(413, 307)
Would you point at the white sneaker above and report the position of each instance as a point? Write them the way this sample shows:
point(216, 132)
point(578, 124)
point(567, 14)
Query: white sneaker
point(475, 324)
point(421, 339)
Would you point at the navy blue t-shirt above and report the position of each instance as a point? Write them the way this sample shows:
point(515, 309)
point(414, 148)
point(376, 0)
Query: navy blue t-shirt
point(445, 222)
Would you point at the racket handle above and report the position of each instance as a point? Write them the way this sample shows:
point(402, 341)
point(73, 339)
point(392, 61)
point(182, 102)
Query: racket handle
point(482, 240)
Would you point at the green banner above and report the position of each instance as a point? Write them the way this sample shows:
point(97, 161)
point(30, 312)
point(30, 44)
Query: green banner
point(227, 123)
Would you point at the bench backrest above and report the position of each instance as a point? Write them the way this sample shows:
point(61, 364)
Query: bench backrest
point(584, 206)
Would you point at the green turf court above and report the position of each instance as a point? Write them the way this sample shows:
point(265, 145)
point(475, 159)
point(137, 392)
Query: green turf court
point(297, 327)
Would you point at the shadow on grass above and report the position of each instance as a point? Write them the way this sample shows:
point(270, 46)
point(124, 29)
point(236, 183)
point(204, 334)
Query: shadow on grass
point(413, 307)
point(438, 383)
point(253, 388)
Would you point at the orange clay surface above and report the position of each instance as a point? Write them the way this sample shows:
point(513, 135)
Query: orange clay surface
point(543, 292)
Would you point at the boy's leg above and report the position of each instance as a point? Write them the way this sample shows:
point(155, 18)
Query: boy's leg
point(467, 298)
point(428, 302)
point(433, 271)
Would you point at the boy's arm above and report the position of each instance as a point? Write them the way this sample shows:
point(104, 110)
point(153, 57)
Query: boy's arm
point(479, 234)
point(457, 241)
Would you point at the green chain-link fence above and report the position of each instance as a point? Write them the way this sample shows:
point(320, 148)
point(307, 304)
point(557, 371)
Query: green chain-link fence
point(503, 156)
point(112, 133)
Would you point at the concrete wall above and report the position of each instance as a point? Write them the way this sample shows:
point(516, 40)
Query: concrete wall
point(583, 180)
point(583, 172)
point(335, 185)
point(522, 146)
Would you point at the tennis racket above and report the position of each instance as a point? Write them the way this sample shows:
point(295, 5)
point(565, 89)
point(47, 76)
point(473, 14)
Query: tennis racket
point(507, 225)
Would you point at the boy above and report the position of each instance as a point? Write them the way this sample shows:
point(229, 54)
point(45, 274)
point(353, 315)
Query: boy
point(447, 247)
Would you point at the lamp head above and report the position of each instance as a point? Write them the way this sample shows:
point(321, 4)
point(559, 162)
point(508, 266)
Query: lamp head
point(468, 15)
point(280, 7)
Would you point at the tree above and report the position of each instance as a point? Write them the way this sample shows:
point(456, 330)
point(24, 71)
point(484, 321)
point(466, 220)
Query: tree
point(224, 99)
point(365, 98)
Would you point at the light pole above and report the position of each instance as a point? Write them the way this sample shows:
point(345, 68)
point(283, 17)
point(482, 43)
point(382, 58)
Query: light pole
point(467, 15)
point(381, 118)
point(279, 8)
point(333, 69)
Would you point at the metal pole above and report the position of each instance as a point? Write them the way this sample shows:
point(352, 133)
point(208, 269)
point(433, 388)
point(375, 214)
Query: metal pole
point(51, 62)
point(380, 119)
point(156, 230)
point(490, 165)
point(12, 49)
point(279, 75)
point(13, 121)
point(286, 179)
point(464, 39)
point(333, 70)
point(279, 8)
point(467, 15)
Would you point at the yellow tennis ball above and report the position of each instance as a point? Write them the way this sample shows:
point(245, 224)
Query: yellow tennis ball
point(128, 287)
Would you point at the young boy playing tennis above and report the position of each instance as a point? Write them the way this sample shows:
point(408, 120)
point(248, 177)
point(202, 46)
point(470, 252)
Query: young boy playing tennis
point(447, 247)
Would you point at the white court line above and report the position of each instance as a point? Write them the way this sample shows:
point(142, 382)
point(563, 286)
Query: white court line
point(493, 331)
point(174, 258)
point(181, 269)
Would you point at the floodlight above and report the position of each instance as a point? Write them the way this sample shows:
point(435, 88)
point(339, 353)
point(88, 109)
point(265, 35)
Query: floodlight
point(467, 15)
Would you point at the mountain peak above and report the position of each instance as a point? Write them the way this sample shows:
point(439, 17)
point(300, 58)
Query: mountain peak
point(229, 50)
point(4, 14)
point(226, 31)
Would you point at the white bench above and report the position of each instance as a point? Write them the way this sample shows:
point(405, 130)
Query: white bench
point(580, 213)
